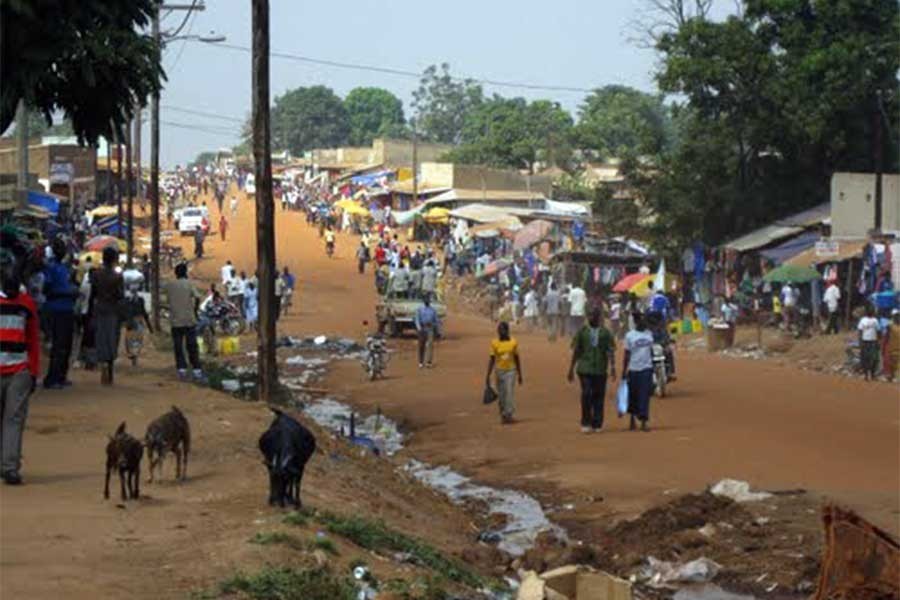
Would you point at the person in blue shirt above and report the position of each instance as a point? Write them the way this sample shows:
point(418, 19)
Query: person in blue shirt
point(659, 304)
point(427, 326)
point(61, 292)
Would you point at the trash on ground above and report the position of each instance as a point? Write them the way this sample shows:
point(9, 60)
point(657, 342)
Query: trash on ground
point(708, 591)
point(661, 573)
point(573, 582)
point(739, 491)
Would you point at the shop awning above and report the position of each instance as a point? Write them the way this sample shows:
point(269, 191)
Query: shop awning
point(48, 202)
point(791, 247)
point(812, 256)
point(762, 237)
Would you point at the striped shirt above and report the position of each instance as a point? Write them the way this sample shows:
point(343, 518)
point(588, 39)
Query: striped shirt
point(19, 341)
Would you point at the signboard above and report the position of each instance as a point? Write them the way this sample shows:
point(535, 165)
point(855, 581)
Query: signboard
point(62, 172)
point(827, 248)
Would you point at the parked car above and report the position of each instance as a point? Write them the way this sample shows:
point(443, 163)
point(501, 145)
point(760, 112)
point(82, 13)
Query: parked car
point(190, 217)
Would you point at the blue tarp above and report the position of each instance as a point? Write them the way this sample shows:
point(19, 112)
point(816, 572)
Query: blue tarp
point(45, 201)
point(791, 247)
point(370, 178)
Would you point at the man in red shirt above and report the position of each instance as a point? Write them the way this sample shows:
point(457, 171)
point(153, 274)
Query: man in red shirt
point(223, 225)
point(19, 364)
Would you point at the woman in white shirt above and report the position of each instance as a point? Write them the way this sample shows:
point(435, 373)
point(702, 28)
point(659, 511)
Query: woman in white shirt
point(868, 343)
point(638, 368)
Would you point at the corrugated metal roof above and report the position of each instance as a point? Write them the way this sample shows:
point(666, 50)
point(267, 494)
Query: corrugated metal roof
point(762, 237)
point(846, 249)
point(483, 213)
point(484, 196)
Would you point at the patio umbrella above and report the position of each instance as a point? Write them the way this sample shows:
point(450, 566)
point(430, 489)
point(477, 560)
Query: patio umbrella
point(98, 243)
point(629, 281)
point(792, 273)
point(438, 214)
point(639, 284)
point(532, 233)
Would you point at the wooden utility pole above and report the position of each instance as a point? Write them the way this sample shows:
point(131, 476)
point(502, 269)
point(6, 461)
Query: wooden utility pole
point(265, 206)
point(109, 172)
point(878, 159)
point(22, 147)
point(136, 139)
point(154, 181)
point(129, 183)
point(119, 215)
point(415, 165)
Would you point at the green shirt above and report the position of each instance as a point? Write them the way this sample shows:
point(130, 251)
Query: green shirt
point(593, 354)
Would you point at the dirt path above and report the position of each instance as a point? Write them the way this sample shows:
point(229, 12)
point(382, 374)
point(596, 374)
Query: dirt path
point(776, 426)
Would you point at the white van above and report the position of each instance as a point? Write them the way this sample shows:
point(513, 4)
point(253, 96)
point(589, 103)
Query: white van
point(189, 218)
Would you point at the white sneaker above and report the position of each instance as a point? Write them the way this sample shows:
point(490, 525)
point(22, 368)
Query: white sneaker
point(585, 429)
point(421, 365)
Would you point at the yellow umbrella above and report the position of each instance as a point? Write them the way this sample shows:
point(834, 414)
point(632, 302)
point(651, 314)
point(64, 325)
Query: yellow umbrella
point(345, 203)
point(641, 289)
point(356, 209)
point(104, 211)
point(437, 215)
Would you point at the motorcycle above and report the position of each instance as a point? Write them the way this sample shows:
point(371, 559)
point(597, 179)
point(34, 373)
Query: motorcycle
point(375, 360)
point(660, 370)
point(225, 317)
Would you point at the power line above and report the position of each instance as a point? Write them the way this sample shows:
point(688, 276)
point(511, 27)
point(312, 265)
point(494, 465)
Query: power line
point(200, 113)
point(412, 74)
point(205, 129)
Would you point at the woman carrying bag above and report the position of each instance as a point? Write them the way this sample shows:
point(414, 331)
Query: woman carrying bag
point(638, 366)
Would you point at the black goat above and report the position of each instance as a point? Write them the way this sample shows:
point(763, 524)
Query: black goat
point(287, 446)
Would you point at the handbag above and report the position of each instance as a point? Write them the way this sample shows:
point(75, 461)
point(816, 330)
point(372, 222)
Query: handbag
point(622, 397)
point(489, 394)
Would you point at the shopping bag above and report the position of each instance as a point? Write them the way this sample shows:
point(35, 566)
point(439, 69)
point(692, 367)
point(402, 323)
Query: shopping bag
point(489, 395)
point(622, 397)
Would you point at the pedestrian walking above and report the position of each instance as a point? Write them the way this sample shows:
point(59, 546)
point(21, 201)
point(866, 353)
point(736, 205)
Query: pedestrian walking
point(868, 343)
point(59, 307)
point(251, 305)
point(577, 308)
point(593, 359)
point(234, 289)
point(87, 352)
point(223, 225)
point(108, 291)
point(892, 346)
point(279, 293)
point(287, 294)
point(362, 257)
point(183, 300)
point(832, 300)
point(427, 326)
point(234, 206)
point(429, 279)
point(552, 307)
point(199, 236)
point(615, 317)
point(638, 364)
point(20, 355)
point(505, 361)
point(531, 310)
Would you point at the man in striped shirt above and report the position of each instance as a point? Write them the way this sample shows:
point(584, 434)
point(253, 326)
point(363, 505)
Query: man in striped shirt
point(19, 364)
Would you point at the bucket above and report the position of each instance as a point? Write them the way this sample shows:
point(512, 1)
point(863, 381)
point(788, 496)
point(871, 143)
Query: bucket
point(696, 326)
point(229, 345)
point(674, 329)
point(686, 326)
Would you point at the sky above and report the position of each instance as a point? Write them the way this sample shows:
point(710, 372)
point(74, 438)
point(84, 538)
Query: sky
point(573, 43)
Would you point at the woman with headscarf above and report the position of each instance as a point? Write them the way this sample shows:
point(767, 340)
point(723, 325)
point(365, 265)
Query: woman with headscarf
point(107, 293)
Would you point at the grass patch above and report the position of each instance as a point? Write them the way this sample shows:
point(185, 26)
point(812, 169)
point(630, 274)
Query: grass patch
point(296, 518)
point(325, 545)
point(285, 583)
point(420, 588)
point(277, 537)
point(375, 535)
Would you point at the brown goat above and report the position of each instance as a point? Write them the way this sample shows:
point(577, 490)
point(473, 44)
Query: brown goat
point(124, 453)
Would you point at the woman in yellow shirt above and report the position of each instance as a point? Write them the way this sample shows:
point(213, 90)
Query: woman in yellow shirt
point(505, 357)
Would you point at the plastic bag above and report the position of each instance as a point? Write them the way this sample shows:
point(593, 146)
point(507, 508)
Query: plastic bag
point(622, 397)
point(489, 395)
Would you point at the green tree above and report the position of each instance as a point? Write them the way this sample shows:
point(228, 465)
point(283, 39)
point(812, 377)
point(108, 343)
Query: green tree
point(616, 120)
point(203, 159)
point(373, 112)
point(510, 132)
point(775, 101)
point(309, 117)
point(86, 59)
point(442, 103)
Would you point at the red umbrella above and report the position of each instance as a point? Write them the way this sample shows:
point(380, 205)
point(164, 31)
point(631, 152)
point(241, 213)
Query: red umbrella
point(629, 281)
point(98, 243)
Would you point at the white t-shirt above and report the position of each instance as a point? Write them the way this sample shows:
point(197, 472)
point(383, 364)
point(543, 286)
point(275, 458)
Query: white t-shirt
point(615, 311)
point(577, 302)
point(869, 328)
point(787, 295)
point(226, 274)
point(640, 345)
point(832, 297)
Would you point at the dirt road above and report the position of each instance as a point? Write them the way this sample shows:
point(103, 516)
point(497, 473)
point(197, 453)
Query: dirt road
point(775, 426)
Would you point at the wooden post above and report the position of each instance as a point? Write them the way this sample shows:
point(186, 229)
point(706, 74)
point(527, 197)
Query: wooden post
point(154, 181)
point(129, 214)
point(119, 215)
point(265, 206)
point(849, 290)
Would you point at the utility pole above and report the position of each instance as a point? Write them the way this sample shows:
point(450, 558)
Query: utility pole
point(109, 172)
point(22, 146)
point(137, 152)
point(119, 215)
point(129, 182)
point(415, 165)
point(878, 157)
point(154, 180)
point(265, 206)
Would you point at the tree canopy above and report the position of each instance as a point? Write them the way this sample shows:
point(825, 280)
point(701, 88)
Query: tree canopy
point(512, 133)
point(373, 112)
point(775, 101)
point(616, 120)
point(309, 117)
point(442, 103)
point(86, 59)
